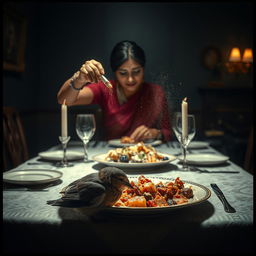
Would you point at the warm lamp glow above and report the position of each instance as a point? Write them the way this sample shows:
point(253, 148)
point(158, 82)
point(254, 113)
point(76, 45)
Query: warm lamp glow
point(235, 55)
point(248, 56)
point(239, 65)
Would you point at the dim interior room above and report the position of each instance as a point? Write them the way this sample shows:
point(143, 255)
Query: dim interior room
point(198, 50)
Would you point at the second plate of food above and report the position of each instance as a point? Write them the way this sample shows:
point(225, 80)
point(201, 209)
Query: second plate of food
point(101, 158)
point(118, 143)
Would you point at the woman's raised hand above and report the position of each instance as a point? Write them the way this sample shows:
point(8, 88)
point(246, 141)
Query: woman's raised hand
point(90, 71)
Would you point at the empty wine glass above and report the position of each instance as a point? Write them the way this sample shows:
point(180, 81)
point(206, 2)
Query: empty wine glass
point(184, 140)
point(85, 129)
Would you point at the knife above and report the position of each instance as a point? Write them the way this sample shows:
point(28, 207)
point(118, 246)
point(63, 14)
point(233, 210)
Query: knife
point(227, 207)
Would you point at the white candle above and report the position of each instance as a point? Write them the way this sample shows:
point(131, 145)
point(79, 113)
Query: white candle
point(64, 120)
point(184, 112)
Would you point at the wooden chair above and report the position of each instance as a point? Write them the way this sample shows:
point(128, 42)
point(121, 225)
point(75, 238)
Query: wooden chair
point(248, 163)
point(14, 146)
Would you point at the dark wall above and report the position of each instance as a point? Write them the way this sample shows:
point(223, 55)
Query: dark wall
point(61, 36)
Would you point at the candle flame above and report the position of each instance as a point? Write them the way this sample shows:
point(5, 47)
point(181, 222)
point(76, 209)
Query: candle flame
point(185, 99)
point(64, 102)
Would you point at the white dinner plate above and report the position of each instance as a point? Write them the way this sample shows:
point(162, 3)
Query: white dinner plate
point(206, 159)
point(58, 155)
point(101, 159)
point(201, 194)
point(198, 144)
point(117, 143)
point(31, 176)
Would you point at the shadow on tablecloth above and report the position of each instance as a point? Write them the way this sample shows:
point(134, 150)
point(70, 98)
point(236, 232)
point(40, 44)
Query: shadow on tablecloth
point(139, 233)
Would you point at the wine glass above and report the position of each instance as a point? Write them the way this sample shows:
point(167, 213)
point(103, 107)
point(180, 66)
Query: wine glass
point(184, 139)
point(85, 129)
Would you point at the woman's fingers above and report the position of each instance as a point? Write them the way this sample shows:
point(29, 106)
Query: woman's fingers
point(141, 133)
point(84, 72)
point(96, 71)
point(88, 72)
point(92, 70)
point(99, 67)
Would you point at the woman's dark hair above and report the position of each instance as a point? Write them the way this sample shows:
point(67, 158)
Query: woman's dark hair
point(125, 50)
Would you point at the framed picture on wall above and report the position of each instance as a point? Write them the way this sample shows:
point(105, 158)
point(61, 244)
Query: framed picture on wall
point(211, 57)
point(14, 40)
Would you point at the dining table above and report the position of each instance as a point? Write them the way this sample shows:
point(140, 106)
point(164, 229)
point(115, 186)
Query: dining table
point(30, 225)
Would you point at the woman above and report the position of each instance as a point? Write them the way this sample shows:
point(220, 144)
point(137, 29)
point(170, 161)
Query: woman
point(132, 107)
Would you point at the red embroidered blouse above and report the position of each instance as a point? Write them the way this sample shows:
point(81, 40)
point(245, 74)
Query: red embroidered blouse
point(146, 107)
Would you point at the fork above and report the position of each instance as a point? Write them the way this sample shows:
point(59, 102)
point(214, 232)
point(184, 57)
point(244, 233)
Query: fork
point(227, 207)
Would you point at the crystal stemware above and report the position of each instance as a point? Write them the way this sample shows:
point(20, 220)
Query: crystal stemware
point(184, 140)
point(85, 129)
point(64, 162)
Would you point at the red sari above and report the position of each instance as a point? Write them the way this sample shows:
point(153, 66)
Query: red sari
point(146, 107)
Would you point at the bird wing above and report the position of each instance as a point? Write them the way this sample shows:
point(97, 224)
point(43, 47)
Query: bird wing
point(81, 194)
point(72, 187)
point(92, 193)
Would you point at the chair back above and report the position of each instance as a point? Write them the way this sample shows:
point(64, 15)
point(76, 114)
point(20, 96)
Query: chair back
point(248, 163)
point(15, 144)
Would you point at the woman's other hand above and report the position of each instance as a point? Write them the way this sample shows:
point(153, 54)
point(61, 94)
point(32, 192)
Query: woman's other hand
point(142, 133)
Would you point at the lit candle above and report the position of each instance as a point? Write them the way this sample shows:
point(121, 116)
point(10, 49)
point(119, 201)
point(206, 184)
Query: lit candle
point(64, 119)
point(184, 112)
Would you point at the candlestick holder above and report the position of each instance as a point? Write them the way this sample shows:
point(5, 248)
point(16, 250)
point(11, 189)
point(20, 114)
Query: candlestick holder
point(64, 162)
point(184, 140)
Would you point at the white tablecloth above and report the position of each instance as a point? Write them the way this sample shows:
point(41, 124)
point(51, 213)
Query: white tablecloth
point(24, 207)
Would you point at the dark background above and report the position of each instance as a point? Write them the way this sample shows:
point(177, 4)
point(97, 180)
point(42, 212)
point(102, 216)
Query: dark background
point(62, 35)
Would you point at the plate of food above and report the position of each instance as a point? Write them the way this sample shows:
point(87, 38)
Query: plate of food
point(137, 156)
point(57, 155)
point(31, 176)
point(128, 141)
point(159, 194)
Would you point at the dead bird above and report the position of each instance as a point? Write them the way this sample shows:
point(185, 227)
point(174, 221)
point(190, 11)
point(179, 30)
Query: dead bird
point(94, 191)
